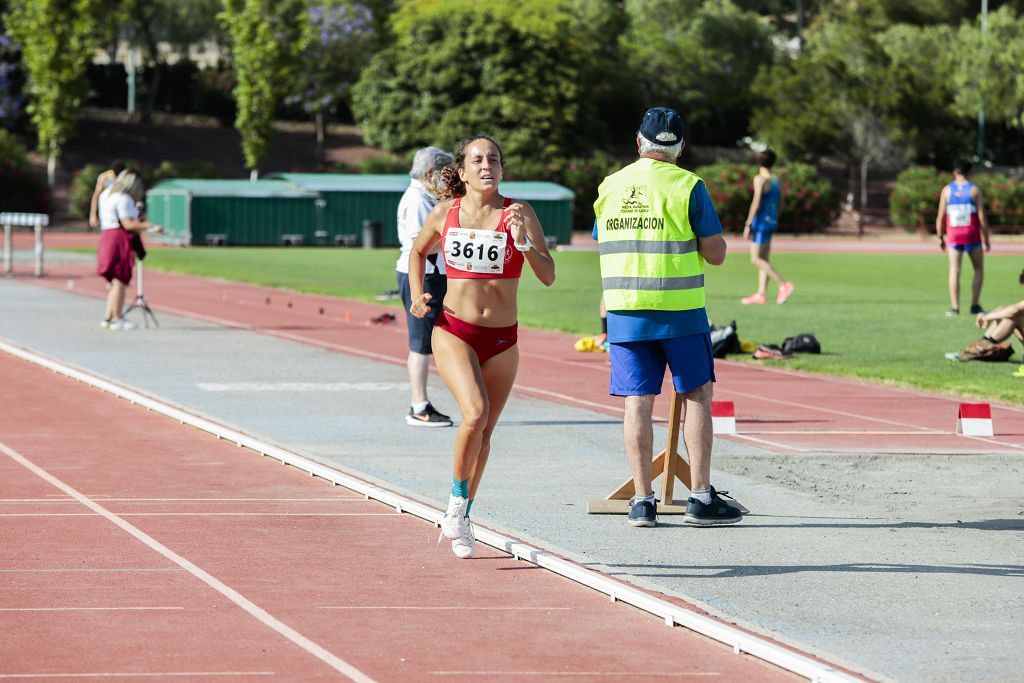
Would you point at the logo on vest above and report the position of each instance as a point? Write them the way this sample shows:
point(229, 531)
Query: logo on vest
point(636, 200)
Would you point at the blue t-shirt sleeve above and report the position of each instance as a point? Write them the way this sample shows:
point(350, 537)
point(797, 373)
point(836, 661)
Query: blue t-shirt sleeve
point(703, 217)
point(595, 228)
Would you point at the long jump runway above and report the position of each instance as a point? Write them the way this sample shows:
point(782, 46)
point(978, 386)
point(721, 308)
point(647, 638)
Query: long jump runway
point(777, 409)
point(134, 547)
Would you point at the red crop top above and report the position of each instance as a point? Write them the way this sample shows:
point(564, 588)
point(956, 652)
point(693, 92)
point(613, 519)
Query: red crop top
point(471, 253)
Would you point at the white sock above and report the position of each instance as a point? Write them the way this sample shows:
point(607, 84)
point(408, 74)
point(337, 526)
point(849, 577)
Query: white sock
point(420, 407)
point(649, 498)
point(703, 495)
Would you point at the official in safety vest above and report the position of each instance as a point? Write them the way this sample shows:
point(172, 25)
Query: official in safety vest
point(656, 228)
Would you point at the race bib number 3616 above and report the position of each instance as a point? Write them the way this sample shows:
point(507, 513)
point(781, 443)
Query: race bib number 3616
point(475, 251)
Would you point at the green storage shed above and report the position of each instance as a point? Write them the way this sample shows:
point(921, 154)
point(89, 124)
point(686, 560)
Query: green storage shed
point(235, 212)
point(351, 199)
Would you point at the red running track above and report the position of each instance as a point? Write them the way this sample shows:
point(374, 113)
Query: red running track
point(133, 546)
point(781, 410)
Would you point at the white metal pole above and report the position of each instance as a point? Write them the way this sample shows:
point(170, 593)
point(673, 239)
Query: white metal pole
point(39, 247)
point(8, 256)
point(981, 84)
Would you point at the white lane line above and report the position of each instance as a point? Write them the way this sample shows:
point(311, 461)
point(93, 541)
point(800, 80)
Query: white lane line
point(205, 514)
point(352, 499)
point(589, 674)
point(139, 674)
point(86, 609)
point(768, 442)
point(261, 615)
point(840, 432)
point(84, 570)
point(301, 386)
point(450, 607)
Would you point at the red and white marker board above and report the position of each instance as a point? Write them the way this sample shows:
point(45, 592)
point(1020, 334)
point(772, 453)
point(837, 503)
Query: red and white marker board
point(723, 417)
point(974, 419)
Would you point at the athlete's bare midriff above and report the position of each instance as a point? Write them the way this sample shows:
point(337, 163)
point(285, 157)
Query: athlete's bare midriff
point(488, 303)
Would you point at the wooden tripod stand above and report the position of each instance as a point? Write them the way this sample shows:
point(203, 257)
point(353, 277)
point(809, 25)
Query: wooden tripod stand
point(669, 464)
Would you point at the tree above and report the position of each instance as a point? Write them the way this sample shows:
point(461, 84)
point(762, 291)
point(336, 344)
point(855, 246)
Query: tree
point(851, 92)
point(267, 40)
point(343, 34)
point(520, 71)
point(700, 57)
point(57, 39)
point(991, 68)
point(924, 60)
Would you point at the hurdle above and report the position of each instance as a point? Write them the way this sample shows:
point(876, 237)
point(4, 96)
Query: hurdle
point(668, 464)
point(36, 221)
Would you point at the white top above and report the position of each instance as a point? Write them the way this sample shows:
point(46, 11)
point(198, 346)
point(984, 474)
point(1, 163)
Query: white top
point(416, 203)
point(113, 205)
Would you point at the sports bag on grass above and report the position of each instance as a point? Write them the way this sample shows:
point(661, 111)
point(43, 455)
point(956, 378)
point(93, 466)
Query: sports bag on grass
point(985, 350)
point(725, 341)
point(805, 342)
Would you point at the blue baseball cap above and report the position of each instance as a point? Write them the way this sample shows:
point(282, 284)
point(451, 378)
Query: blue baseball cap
point(662, 126)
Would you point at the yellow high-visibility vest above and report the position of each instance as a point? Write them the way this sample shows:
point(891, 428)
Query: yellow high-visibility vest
point(650, 258)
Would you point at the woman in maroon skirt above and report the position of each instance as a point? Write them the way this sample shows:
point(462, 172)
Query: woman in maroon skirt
point(119, 219)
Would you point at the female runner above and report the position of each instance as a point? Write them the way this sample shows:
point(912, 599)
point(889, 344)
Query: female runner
point(485, 238)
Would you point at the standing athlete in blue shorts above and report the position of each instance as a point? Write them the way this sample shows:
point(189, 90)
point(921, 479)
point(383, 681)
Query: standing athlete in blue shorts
point(762, 220)
point(655, 228)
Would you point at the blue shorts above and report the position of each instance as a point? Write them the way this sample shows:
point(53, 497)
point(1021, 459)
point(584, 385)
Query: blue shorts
point(761, 236)
point(638, 368)
point(965, 248)
point(420, 329)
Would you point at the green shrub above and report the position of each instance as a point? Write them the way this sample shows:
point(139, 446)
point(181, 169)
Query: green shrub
point(1004, 198)
point(915, 197)
point(184, 169)
point(809, 202)
point(84, 182)
point(82, 185)
point(384, 164)
point(582, 175)
point(21, 188)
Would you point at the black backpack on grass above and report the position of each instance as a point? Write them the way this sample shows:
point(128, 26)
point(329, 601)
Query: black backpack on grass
point(805, 342)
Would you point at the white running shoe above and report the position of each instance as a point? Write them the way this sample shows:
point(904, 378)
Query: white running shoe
point(121, 324)
point(453, 524)
point(464, 546)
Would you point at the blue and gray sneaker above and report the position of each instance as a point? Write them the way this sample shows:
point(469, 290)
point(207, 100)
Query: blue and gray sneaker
point(711, 514)
point(643, 512)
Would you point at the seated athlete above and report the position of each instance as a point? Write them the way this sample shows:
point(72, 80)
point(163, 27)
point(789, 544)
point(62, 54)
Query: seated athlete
point(485, 238)
point(1002, 323)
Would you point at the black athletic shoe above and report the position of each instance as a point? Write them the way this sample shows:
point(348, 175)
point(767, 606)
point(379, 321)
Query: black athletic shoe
point(642, 512)
point(428, 417)
point(977, 309)
point(716, 512)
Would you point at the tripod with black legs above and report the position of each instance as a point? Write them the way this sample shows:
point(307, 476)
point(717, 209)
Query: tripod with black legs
point(140, 301)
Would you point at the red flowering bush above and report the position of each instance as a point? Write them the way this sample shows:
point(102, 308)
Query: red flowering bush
point(915, 199)
point(1003, 197)
point(809, 202)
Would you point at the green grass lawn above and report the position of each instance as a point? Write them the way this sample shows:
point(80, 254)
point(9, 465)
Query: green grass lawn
point(878, 317)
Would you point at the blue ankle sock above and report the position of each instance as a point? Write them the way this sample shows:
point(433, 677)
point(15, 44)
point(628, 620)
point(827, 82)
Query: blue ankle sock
point(469, 506)
point(460, 488)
